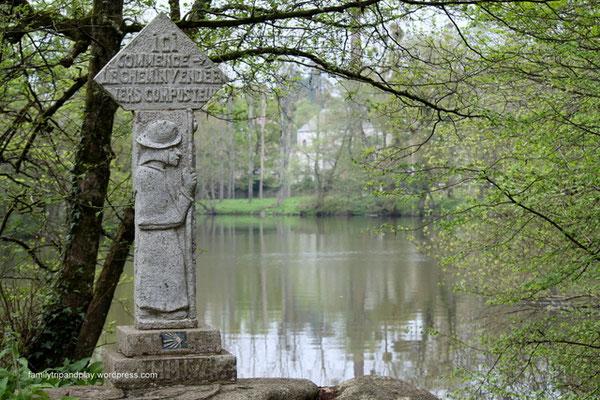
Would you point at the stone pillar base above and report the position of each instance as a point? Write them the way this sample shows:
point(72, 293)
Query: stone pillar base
point(148, 371)
point(133, 342)
point(147, 358)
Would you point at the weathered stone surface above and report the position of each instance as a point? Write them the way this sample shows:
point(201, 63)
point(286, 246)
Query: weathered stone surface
point(135, 342)
point(86, 392)
point(163, 76)
point(244, 389)
point(137, 372)
point(178, 392)
point(163, 162)
point(161, 68)
point(381, 388)
point(269, 389)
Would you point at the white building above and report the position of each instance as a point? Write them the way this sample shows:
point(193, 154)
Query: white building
point(323, 135)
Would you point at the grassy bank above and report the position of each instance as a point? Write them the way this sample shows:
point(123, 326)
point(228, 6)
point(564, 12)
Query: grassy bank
point(306, 205)
point(269, 206)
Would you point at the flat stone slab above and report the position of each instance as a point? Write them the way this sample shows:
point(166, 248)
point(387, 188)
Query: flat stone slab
point(381, 388)
point(363, 388)
point(243, 389)
point(159, 370)
point(135, 342)
point(86, 392)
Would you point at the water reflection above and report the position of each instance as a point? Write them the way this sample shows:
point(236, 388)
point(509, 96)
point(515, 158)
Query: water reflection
point(324, 299)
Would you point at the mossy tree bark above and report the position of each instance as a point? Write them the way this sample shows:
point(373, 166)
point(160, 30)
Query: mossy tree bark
point(90, 177)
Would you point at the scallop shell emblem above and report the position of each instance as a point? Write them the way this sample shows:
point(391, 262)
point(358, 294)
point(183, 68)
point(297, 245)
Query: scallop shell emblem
point(173, 340)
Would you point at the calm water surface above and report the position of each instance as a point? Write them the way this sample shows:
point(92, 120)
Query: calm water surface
point(324, 299)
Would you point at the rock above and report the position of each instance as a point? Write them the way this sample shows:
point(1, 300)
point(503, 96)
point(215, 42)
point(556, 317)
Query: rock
point(269, 389)
point(243, 389)
point(178, 392)
point(381, 388)
point(86, 392)
point(187, 369)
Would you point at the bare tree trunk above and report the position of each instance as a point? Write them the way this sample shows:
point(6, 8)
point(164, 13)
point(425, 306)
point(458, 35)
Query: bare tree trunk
point(221, 180)
point(355, 44)
point(319, 185)
point(91, 173)
point(250, 103)
point(204, 188)
point(231, 155)
point(175, 10)
point(222, 150)
point(326, 178)
point(263, 121)
point(211, 188)
point(105, 287)
point(286, 111)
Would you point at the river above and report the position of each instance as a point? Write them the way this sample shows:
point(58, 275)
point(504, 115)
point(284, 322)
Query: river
point(324, 299)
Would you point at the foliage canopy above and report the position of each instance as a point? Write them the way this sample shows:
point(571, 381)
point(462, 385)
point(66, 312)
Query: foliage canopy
point(498, 106)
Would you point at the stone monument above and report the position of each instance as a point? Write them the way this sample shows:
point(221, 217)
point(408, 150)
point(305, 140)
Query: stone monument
point(162, 76)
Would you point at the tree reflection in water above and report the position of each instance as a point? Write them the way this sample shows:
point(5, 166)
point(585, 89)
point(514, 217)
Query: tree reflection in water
point(323, 299)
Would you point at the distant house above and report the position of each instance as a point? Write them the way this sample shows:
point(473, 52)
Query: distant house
point(307, 133)
point(332, 129)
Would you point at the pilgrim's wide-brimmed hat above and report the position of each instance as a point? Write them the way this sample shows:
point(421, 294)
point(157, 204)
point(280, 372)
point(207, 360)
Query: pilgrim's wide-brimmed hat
point(160, 134)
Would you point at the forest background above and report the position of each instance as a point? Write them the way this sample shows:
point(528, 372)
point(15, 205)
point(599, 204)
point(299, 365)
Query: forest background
point(481, 116)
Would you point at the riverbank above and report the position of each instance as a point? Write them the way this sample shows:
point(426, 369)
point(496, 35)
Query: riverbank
point(333, 205)
point(361, 388)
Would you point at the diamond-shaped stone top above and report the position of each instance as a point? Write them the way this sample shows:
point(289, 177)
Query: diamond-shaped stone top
point(161, 68)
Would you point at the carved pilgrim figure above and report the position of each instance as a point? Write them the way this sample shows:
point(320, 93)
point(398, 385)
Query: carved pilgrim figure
point(163, 195)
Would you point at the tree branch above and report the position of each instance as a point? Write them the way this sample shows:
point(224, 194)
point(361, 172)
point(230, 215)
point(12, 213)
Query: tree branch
point(549, 220)
point(175, 10)
point(569, 342)
point(270, 15)
point(78, 48)
point(333, 69)
point(442, 3)
point(12, 127)
point(274, 15)
point(43, 118)
point(29, 250)
point(74, 29)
